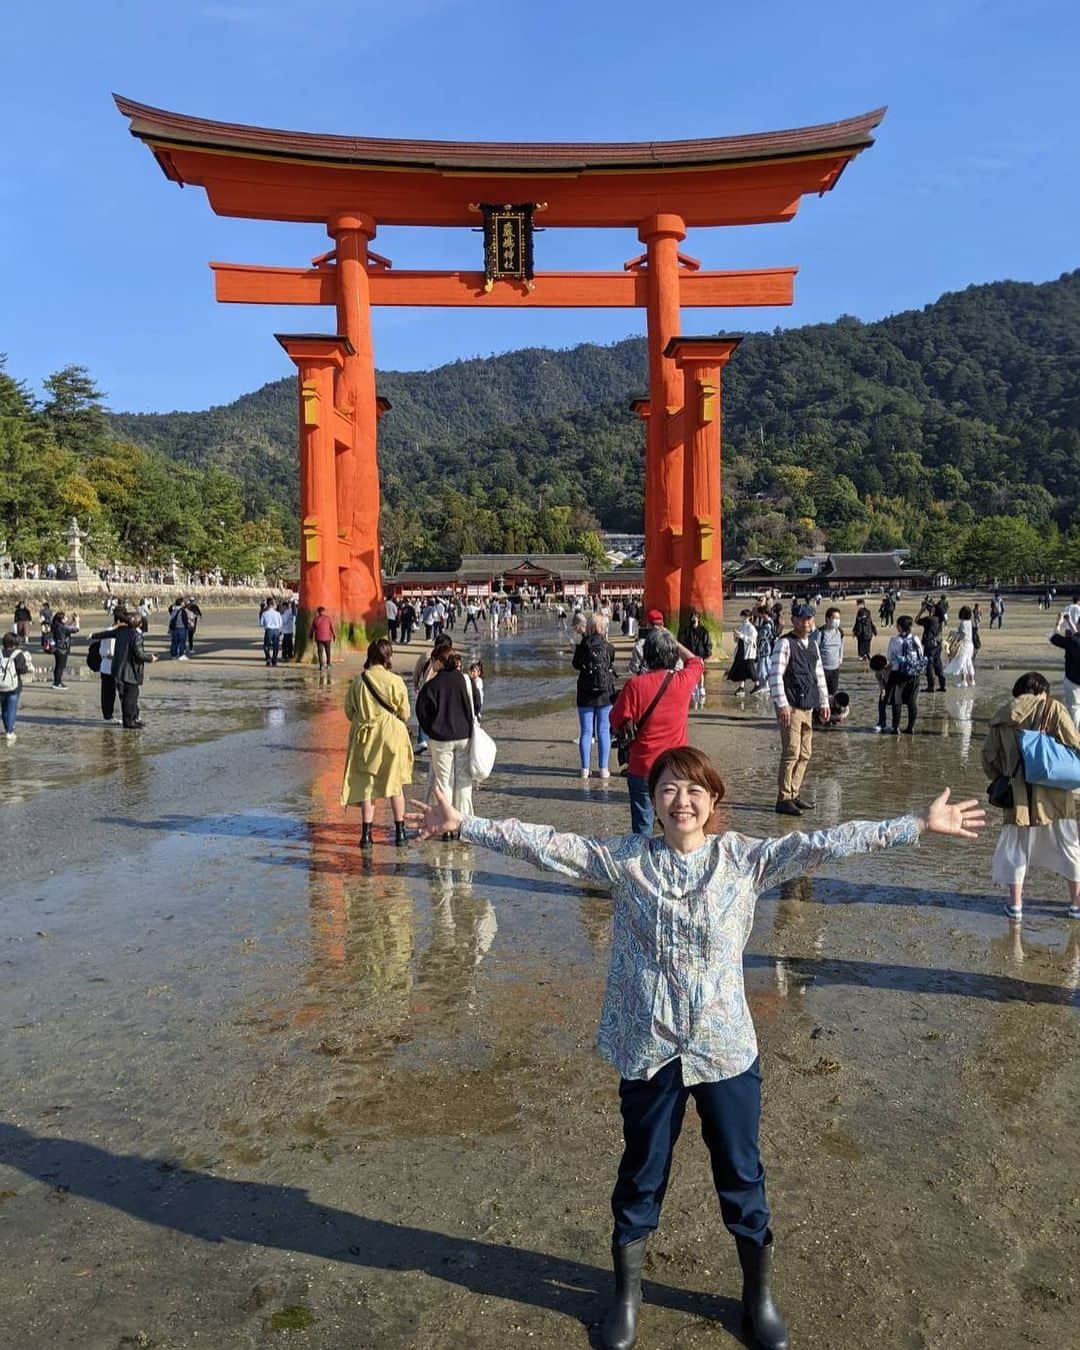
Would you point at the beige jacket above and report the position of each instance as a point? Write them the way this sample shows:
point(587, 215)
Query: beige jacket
point(1001, 754)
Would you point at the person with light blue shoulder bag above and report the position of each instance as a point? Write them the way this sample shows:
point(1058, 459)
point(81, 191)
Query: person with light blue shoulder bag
point(1032, 744)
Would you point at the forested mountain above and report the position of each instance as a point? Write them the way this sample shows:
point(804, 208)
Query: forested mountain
point(902, 432)
point(953, 430)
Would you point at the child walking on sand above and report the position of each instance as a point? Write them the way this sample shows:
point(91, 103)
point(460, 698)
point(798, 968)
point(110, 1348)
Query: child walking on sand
point(675, 1021)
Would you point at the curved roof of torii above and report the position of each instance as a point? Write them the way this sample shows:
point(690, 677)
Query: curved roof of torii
point(296, 175)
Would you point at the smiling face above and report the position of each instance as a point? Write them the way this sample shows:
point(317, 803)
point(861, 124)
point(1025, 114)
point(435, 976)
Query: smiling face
point(683, 808)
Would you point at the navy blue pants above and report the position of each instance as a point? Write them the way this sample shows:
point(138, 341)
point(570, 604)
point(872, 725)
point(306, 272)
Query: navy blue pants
point(652, 1112)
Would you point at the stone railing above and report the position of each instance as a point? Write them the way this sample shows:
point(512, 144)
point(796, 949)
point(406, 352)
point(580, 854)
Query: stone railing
point(91, 594)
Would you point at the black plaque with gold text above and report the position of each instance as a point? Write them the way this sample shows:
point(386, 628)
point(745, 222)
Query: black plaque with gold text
point(508, 242)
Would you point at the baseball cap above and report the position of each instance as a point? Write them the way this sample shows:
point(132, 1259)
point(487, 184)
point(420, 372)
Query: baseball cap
point(802, 611)
point(654, 616)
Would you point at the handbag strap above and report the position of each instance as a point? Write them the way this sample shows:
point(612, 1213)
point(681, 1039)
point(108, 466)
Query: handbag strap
point(379, 698)
point(469, 701)
point(656, 699)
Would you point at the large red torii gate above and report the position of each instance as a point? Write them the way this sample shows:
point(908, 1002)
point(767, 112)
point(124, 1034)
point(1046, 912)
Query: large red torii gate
point(354, 184)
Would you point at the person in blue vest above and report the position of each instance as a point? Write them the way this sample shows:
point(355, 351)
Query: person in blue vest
point(797, 686)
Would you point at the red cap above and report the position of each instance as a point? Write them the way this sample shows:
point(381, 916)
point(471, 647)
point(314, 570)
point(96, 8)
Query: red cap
point(655, 616)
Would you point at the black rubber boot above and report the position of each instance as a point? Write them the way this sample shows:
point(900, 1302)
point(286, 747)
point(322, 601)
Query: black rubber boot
point(619, 1330)
point(400, 837)
point(767, 1329)
point(366, 840)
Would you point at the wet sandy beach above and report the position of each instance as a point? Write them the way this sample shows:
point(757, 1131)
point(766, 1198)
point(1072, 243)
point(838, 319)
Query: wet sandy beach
point(259, 1092)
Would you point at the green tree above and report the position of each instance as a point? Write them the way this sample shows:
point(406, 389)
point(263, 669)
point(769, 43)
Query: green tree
point(591, 546)
point(74, 411)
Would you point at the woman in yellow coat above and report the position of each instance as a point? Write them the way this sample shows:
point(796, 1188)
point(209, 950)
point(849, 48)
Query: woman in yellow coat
point(379, 759)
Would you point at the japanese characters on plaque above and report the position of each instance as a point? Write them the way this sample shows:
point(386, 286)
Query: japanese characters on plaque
point(508, 242)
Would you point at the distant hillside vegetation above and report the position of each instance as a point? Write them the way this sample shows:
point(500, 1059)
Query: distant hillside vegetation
point(909, 431)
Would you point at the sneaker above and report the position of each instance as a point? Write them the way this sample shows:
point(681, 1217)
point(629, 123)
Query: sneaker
point(181, 658)
point(803, 806)
point(605, 773)
point(784, 808)
point(10, 737)
point(1017, 911)
point(584, 773)
point(62, 687)
point(1074, 910)
point(879, 730)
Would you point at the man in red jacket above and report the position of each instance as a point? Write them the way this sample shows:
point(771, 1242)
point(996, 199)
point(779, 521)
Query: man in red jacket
point(666, 725)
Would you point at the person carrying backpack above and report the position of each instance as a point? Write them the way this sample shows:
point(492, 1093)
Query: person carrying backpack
point(14, 668)
point(594, 661)
point(906, 665)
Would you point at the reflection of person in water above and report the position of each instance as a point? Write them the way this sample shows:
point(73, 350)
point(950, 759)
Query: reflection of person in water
point(463, 927)
point(675, 1021)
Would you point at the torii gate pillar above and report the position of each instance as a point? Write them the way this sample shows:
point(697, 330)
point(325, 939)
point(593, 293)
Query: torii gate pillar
point(326, 432)
point(663, 445)
point(700, 361)
point(357, 468)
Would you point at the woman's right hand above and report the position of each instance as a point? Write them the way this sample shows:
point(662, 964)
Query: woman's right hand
point(434, 817)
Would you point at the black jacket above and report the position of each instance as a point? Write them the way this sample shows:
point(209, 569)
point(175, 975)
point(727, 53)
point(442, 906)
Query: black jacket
point(1070, 645)
point(446, 706)
point(696, 637)
point(61, 636)
point(594, 661)
point(129, 657)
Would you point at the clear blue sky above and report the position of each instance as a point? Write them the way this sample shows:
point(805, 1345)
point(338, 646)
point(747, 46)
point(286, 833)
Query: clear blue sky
point(974, 176)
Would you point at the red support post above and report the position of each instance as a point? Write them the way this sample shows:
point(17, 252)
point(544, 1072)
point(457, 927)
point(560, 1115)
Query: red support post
point(661, 235)
point(318, 360)
point(357, 472)
point(700, 362)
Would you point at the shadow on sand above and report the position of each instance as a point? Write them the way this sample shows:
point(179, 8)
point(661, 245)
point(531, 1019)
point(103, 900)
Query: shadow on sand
point(216, 1209)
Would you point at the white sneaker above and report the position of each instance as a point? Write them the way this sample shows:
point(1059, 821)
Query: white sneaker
point(584, 773)
point(181, 658)
point(605, 773)
point(9, 736)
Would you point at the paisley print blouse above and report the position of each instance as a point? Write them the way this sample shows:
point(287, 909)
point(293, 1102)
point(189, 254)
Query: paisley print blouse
point(675, 980)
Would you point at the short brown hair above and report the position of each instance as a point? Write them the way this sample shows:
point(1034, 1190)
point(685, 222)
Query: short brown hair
point(380, 653)
point(686, 761)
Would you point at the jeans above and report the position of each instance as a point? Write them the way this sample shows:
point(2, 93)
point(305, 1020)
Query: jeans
point(177, 642)
point(322, 646)
point(642, 815)
point(271, 645)
point(288, 644)
point(595, 721)
point(9, 705)
point(652, 1114)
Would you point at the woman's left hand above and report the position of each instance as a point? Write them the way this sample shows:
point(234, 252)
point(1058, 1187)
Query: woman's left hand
point(434, 817)
point(962, 819)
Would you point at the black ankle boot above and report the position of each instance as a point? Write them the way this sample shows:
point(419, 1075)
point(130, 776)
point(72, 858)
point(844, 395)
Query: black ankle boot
point(366, 840)
point(619, 1331)
point(765, 1325)
point(400, 837)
